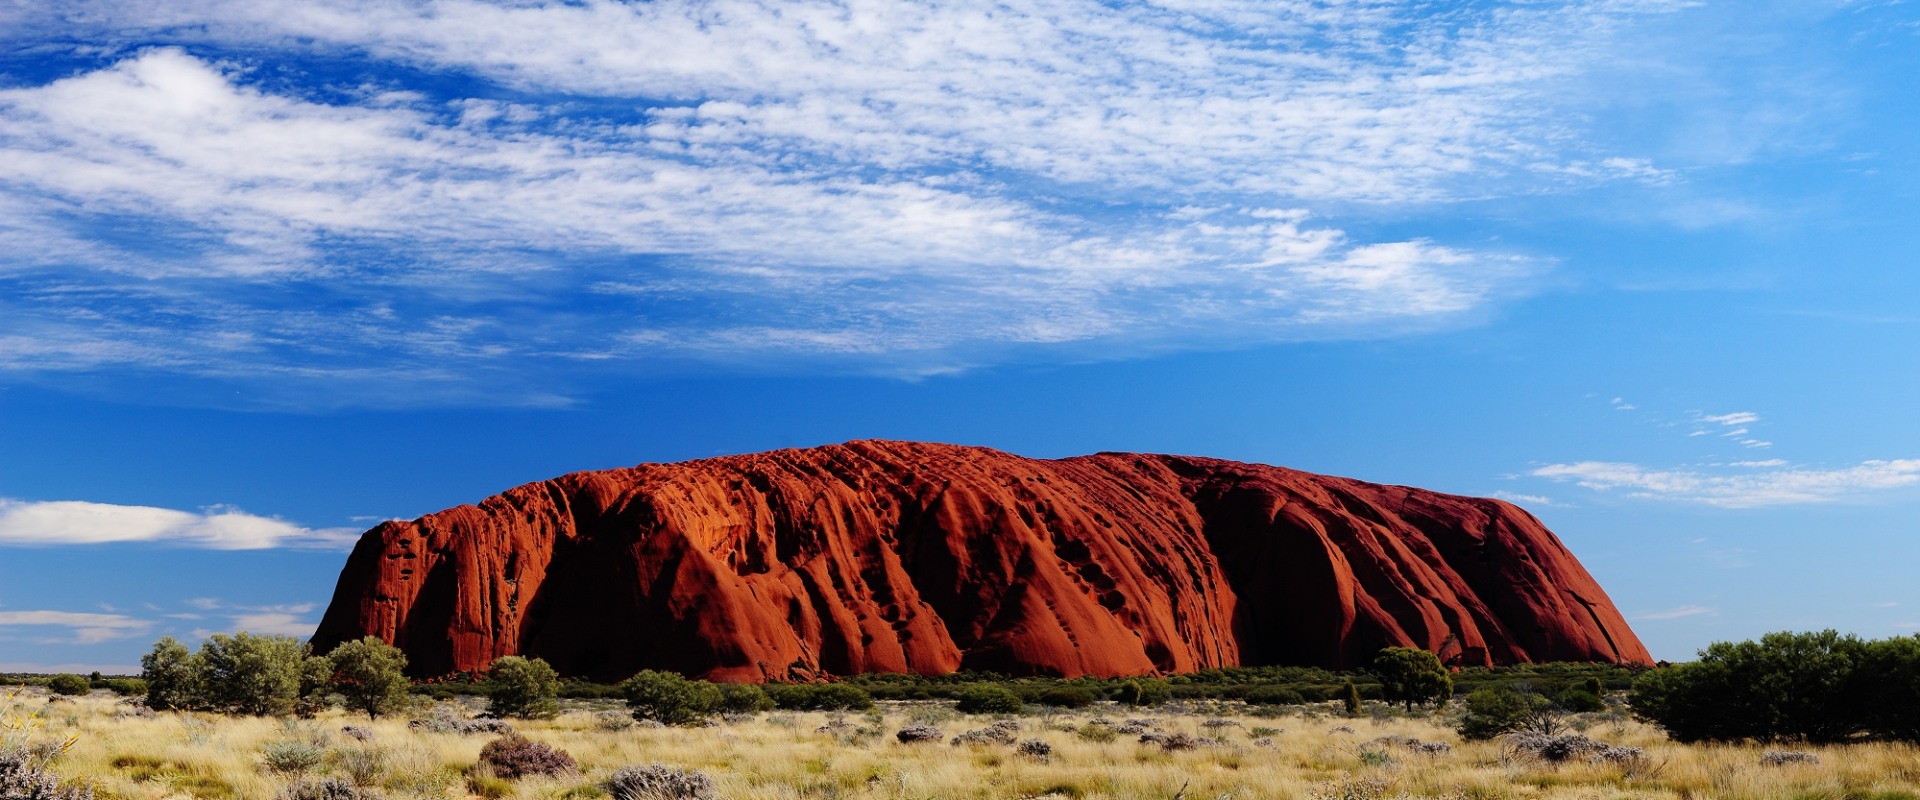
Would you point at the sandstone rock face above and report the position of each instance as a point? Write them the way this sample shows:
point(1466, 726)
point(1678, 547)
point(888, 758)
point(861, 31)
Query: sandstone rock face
point(878, 556)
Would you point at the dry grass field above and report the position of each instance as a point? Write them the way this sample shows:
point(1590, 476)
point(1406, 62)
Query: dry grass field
point(1313, 753)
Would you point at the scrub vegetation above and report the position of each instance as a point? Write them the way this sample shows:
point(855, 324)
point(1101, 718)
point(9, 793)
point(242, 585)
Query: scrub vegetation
point(1546, 731)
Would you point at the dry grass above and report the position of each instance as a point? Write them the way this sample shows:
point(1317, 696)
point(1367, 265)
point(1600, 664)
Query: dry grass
point(780, 756)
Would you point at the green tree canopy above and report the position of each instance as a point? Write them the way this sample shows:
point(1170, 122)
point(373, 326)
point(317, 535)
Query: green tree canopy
point(370, 674)
point(1817, 687)
point(249, 674)
point(669, 698)
point(173, 675)
point(1410, 675)
point(522, 687)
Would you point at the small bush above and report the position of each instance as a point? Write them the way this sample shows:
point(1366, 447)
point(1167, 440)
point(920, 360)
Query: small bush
point(742, 698)
point(659, 782)
point(291, 757)
point(68, 684)
point(914, 734)
point(668, 698)
point(1174, 742)
point(1620, 756)
point(1096, 732)
point(1492, 712)
point(1579, 701)
point(362, 765)
point(125, 687)
point(1002, 732)
point(1274, 696)
point(612, 721)
point(357, 733)
point(21, 779)
point(1775, 758)
point(1554, 748)
point(445, 719)
point(1035, 749)
point(1143, 692)
point(522, 687)
point(481, 782)
point(983, 698)
point(820, 697)
point(325, 789)
point(513, 756)
point(1067, 697)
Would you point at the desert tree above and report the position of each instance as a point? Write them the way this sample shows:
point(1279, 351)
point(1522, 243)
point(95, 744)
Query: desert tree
point(523, 687)
point(1410, 675)
point(370, 674)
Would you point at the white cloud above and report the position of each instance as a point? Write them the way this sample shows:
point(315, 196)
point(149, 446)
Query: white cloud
point(1678, 613)
point(1733, 419)
point(86, 627)
point(915, 187)
point(1771, 462)
point(1768, 487)
point(69, 522)
point(1525, 499)
point(279, 624)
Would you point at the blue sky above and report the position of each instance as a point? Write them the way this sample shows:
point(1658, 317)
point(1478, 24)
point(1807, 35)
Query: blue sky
point(271, 272)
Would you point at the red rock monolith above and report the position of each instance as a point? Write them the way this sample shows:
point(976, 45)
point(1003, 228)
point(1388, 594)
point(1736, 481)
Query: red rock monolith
point(880, 556)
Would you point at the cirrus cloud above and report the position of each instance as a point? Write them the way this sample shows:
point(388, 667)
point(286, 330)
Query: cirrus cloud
point(473, 199)
point(73, 522)
point(1762, 484)
point(86, 627)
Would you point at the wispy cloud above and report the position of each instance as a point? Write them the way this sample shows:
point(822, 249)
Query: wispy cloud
point(284, 619)
point(1681, 612)
point(75, 522)
point(905, 187)
point(1525, 499)
point(278, 624)
point(1769, 486)
point(84, 627)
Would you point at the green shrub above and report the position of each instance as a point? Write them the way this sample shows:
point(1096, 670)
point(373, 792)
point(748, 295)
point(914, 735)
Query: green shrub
point(522, 687)
point(1815, 687)
point(69, 684)
point(1496, 710)
point(1067, 697)
point(820, 697)
point(1579, 701)
point(1274, 696)
point(1143, 692)
point(986, 698)
point(741, 698)
point(668, 698)
point(125, 687)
